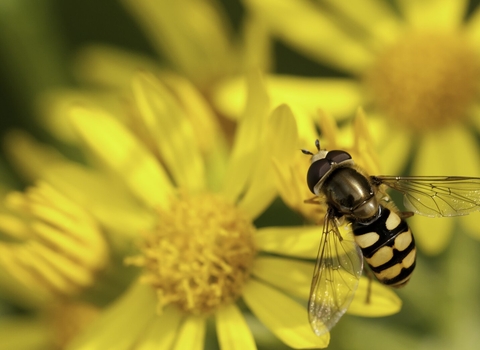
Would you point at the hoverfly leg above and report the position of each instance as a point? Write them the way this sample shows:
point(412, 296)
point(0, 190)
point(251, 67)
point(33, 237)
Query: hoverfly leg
point(405, 214)
point(313, 200)
point(369, 275)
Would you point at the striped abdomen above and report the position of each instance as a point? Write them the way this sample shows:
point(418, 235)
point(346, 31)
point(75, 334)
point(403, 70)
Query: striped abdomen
point(388, 247)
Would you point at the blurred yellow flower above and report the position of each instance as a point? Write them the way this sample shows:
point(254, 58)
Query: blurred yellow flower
point(192, 39)
point(52, 247)
point(415, 67)
point(190, 213)
point(203, 252)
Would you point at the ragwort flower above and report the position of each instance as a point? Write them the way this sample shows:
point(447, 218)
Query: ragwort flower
point(52, 248)
point(190, 38)
point(202, 252)
point(415, 67)
point(168, 185)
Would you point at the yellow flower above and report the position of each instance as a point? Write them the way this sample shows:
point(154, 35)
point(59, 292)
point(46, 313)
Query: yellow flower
point(53, 248)
point(415, 67)
point(203, 252)
point(192, 220)
point(192, 38)
point(191, 216)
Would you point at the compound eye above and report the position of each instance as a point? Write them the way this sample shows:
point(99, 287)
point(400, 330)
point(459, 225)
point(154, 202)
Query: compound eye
point(316, 172)
point(338, 156)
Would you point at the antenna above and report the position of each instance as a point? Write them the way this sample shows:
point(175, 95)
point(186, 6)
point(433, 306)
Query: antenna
point(304, 151)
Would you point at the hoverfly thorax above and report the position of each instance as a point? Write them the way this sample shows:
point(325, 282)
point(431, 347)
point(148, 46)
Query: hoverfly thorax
point(333, 175)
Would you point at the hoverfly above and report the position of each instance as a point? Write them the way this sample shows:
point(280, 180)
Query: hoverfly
point(379, 233)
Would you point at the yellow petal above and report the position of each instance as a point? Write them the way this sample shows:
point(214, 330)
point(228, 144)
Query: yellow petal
point(121, 324)
point(13, 227)
point(394, 153)
point(53, 106)
point(257, 44)
point(317, 36)
point(281, 141)
point(58, 269)
point(383, 301)
point(303, 94)
point(375, 17)
point(472, 30)
point(299, 242)
point(171, 130)
point(292, 276)
point(210, 140)
point(110, 66)
point(290, 189)
point(124, 154)
point(191, 334)
point(287, 319)
point(193, 35)
point(162, 331)
point(470, 224)
point(105, 196)
point(107, 199)
point(29, 157)
point(247, 138)
point(432, 235)
point(14, 278)
point(458, 156)
point(434, 14)
point(35, 260)
point(232, 329)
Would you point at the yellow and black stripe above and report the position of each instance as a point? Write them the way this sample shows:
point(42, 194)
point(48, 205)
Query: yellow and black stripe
point(388, 247)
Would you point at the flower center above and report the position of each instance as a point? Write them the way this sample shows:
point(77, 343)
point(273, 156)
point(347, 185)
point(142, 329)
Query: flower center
point(200, 255)
point(425, 80)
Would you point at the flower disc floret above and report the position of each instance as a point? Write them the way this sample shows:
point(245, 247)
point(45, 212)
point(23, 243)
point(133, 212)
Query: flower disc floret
point(425, 81)
point(201, 254)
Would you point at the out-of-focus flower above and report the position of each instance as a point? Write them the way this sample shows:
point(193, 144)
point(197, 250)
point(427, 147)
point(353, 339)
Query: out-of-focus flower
point(197, 247)
point(415, 68)
point(53, 247)
point(192, 220)
point(193, 39)
point(52, 252)
point(202, 253)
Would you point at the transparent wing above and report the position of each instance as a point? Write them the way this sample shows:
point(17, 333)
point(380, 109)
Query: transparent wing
point(436, 196)
point(335, 278)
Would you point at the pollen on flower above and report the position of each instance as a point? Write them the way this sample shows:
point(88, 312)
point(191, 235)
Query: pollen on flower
point(200, 255)
point(425, 80)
